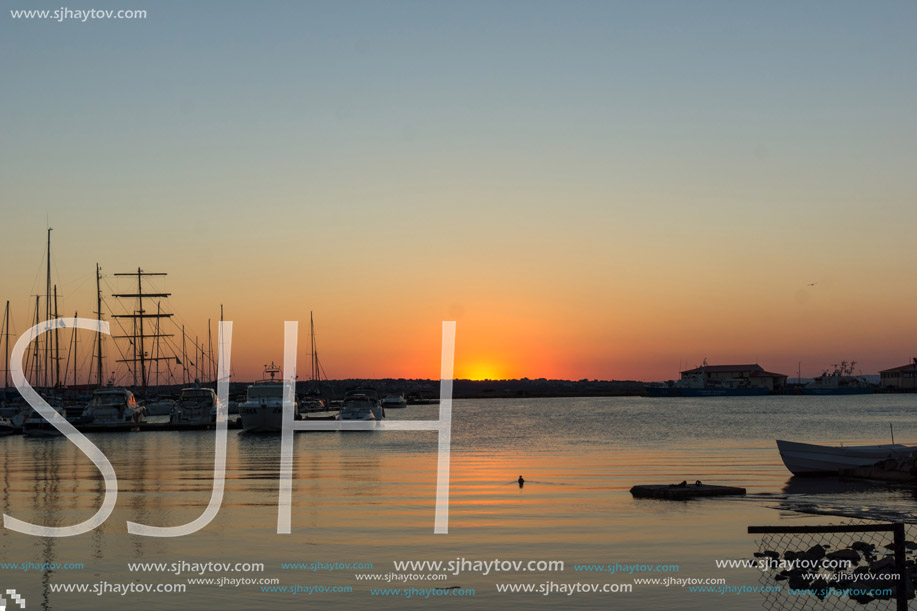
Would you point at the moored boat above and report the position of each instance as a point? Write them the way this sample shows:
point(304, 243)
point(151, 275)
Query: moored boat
point(841, 381)
point(262, 411)
point(394, 400)
point(113, 406)
point(195, 406)
point(361, 404)
point(159, 406)
point(7, 428)
point(812, 459)
point(36, 426)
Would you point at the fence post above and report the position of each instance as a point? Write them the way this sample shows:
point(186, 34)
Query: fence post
point(900, 566)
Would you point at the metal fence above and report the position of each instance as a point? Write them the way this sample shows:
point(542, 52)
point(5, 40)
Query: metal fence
point(863, 566)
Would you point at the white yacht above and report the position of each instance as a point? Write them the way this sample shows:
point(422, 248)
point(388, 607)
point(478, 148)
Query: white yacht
point(14, 413)
point(36, 426)
point(361, 405)
point(7, 428)
point(312, 402)
point(394, 400)
point(195, 406)
point(159, 407)
point(262, 411)
point(113, 406)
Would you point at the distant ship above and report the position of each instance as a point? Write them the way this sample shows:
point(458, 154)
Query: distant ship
point(841, 381)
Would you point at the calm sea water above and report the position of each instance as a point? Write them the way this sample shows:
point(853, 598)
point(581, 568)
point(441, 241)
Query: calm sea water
point(368, 497)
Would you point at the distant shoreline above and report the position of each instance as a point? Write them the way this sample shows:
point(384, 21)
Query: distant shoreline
point(427, 390)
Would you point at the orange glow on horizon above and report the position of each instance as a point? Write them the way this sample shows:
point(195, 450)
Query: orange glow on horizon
point(480, 370)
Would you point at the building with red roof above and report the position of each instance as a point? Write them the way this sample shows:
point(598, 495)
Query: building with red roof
point(900, 378)
point(735, 376)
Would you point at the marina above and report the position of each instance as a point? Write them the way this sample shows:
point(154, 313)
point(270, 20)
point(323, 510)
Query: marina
point(443, 306)
point(579, 466)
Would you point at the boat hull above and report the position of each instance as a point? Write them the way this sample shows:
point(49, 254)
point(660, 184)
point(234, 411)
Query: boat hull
point(189, 418)
point(655, 391)
point(41, 430)
point(261, 418)
point(160, 408)
point(836, 391)
point(811, 459)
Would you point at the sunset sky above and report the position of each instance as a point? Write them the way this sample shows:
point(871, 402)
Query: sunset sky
point(610, 190)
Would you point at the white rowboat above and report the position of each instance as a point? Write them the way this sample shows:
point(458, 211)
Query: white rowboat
point(811, 459)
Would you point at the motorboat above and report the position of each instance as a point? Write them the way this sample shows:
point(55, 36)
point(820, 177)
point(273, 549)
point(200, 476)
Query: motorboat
point(113, 406)
point(312, 402)
point(36, 426)
point(195, 406)
point(394, 400)
point(811, 459)
point(361, 404)
point(159, 407)
point(7, 428)
point(15, 413)
point(262, 411)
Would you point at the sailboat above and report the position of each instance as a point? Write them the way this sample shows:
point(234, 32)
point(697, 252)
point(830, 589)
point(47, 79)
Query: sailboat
point(42, 365)
point(7, 393)
point(312, 400)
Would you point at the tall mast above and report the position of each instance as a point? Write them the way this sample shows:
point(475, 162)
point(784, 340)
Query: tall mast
point(138, 316)
point(99, 319)
point(140, 311)
point(184, 358)
point(76, 339)
point(209, 353)
point(158, 312)
point(133, 365)
point(36, 363)
point(314, 355)
point(48, 310)
point(6, 335)
point(56, 344)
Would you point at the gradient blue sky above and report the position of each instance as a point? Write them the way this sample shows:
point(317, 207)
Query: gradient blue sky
point(592, 189)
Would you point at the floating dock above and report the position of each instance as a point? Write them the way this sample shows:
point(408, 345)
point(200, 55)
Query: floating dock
point(683, 491)
point(151, 427)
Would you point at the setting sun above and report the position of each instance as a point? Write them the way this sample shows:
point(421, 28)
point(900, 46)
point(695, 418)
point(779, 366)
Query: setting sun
point(482, 371)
